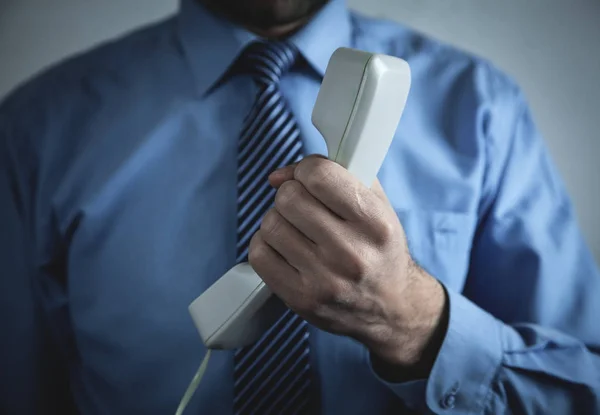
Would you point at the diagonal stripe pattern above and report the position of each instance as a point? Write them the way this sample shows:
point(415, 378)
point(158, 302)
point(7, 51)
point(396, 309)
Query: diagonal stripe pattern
point(271, 376)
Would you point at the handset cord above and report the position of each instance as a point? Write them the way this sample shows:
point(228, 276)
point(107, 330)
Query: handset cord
point(193, 384)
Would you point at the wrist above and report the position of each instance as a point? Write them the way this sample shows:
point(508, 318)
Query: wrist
point(417, 333)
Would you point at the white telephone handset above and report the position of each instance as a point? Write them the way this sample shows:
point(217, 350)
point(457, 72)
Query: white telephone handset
point(357, 111)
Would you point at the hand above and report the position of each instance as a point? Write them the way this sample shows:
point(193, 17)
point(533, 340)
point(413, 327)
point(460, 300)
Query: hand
point(335, 252)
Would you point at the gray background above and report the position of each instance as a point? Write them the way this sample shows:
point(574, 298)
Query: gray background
point(552, 48)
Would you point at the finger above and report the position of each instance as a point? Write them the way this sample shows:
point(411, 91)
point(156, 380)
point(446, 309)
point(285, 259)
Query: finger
point(277, 274)
point(283, 174)
point(308, 215)
point(293, 246)
point(336, 188)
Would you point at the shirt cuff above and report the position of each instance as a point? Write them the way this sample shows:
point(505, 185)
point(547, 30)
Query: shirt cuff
point(465, 366)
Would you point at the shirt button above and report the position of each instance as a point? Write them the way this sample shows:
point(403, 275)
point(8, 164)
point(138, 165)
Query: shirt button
point(449, 401)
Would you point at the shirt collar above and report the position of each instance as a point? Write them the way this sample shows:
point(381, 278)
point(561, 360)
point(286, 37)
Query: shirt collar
point(211, 43)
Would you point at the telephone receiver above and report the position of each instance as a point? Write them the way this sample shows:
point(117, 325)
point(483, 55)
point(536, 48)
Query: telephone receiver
point(358, 108)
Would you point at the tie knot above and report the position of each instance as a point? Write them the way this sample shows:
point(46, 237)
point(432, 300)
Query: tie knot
point(266, 61)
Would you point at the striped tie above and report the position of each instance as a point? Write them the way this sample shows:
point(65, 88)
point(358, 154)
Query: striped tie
point(271, 376)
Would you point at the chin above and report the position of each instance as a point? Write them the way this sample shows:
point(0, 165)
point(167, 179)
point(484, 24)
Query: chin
point(267, 13)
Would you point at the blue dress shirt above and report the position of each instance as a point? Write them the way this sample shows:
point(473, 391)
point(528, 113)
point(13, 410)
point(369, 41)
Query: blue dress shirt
point(118, 207)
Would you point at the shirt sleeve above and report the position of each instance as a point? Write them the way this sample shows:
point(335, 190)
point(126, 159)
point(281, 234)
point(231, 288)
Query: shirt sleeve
point(31, 374)
point(523, 337)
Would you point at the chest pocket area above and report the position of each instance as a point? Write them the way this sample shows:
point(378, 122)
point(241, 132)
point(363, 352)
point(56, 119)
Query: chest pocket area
point(440, 242)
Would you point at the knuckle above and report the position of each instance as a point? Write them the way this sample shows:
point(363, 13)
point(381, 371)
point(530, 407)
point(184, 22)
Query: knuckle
point(384, 233)
point(256, 251)
point(345, 259)
point(314, 173)
point(287, 195)
point(270, 223)
point(355, 266)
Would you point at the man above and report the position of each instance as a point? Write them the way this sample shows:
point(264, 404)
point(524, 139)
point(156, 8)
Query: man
point(134, 175)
